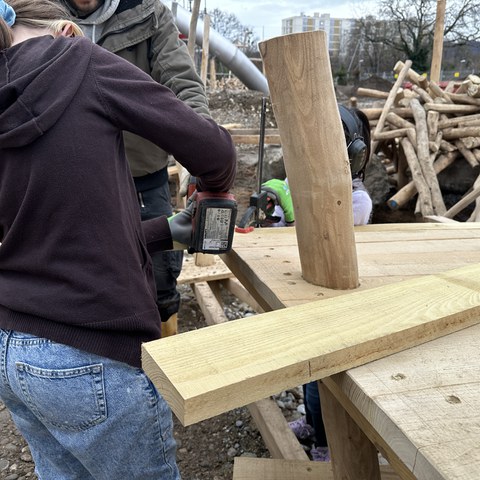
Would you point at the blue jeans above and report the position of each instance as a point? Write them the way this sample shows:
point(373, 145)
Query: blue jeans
point(85, 417)
point(167, 266)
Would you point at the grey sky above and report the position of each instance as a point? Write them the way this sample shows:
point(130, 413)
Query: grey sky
point(265, 16)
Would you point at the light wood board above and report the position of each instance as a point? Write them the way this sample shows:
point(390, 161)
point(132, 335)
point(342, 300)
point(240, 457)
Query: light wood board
point(243, 361)
point(267, 263)
point(246, 468)
point(424, 403)
point(192, 273)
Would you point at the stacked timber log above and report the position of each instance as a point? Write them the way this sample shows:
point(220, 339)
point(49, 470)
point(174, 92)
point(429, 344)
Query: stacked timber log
point(422, 131)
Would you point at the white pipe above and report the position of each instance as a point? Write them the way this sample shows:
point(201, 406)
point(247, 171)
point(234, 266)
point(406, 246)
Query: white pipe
point(225, 50)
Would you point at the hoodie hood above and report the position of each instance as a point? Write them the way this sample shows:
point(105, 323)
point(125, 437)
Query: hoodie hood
point(92, 25)
point(37, 85)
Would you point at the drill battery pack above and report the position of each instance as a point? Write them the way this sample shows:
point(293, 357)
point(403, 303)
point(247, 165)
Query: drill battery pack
point(214, 222)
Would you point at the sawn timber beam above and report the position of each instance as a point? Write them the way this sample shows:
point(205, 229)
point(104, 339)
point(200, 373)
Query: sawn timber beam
point(209, 371)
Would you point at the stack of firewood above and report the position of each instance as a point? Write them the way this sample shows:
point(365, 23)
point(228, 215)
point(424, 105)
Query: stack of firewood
point(424, 129)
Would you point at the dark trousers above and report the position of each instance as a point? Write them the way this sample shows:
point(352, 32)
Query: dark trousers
point(154, 202)
point(313, 409)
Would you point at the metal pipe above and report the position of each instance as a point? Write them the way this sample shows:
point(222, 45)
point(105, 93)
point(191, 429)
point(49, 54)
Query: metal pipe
point(226, 51)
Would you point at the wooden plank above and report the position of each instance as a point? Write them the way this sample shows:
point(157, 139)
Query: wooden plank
point(192, 273)
point(355, 413)
point(356, 457)
point(209, 371)
point(277, 435)
point(422, 403)
point(266, 260)
point(269, 419)
point(254, 139)
point(252, 131)
point(247, 468)
point(209, 304)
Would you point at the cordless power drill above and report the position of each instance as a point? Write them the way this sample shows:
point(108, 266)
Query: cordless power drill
point(213, 221)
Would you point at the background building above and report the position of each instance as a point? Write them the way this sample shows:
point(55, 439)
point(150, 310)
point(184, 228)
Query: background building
point(338, 30)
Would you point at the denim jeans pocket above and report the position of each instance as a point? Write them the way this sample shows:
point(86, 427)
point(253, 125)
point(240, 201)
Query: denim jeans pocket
point(77, 394)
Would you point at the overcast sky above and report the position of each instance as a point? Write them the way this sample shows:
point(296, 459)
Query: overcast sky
point(265, 16)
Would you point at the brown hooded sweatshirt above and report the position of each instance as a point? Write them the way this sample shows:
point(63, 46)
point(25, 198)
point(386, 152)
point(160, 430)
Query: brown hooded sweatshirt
point(74, 262)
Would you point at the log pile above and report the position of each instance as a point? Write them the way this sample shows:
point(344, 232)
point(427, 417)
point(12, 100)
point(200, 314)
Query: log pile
point(422, 131)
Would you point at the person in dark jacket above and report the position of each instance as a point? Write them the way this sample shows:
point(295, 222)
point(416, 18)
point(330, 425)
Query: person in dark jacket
point(77, 291)
point(144, 33)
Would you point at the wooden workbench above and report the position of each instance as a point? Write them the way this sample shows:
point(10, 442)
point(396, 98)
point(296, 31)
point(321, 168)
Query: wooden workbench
point(420, 407)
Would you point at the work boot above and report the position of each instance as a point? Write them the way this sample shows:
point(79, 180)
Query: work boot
point(170, 327)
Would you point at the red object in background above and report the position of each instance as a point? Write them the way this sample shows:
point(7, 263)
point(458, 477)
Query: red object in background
point(181, 36)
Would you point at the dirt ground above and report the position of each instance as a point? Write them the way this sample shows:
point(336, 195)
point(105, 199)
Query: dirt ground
point(205, 450)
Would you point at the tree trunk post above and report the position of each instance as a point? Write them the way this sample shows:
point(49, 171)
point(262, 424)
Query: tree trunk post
point(192, 32)
point(298, 71)
point(437, 53)
point(205, 49)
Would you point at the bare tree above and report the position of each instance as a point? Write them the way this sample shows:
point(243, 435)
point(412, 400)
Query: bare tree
point(408, 26)
point(230, 27)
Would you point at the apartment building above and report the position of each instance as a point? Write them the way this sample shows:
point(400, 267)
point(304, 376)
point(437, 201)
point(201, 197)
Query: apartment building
point(337, 29)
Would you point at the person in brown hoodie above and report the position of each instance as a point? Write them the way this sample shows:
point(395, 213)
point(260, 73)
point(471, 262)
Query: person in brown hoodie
point(77, 293)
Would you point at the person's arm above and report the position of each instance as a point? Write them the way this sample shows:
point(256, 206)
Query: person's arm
point(171, 64)
point(136, 103)
point(362, 203)
point(279, 193)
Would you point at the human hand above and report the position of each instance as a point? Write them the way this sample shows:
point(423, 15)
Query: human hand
point(184, 181)
point(278, 193)
point(181, 227)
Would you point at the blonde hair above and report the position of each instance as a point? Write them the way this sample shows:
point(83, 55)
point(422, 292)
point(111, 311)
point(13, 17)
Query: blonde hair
point(37, 14)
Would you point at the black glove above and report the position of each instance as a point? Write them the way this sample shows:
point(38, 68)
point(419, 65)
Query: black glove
point(181, 227)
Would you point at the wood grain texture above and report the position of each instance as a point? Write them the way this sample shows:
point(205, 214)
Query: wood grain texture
point(193, 273)
point(297, 68)
point(246, 468)
point(240, 362)
point(277, 435)
point(266, 260)
point(423, 403)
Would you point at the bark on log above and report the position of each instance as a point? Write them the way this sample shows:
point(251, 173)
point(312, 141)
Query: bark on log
point(463, 203)
point(423, 154)
point(299, 76)
point(390, 100)
point(464, 99)
point(423, 94)
point(452, 108)
point(412, 75)
point(467, 154)
point(475, 216)
point(432, 124)
point(391, 134)
point(369, 92)
point(425, 199)
point(398, 121)
point(375, 113)
point(453, 122)
point(460, 132)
